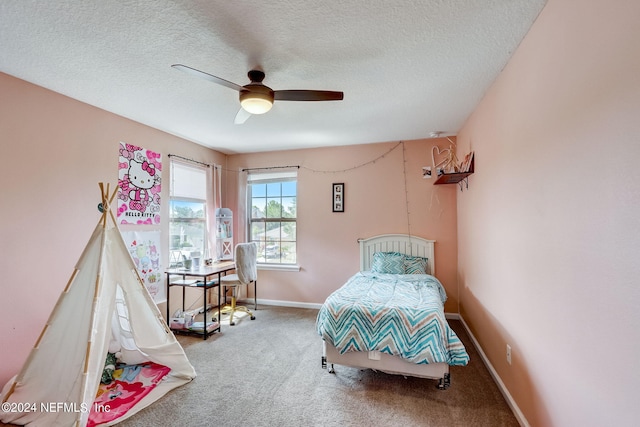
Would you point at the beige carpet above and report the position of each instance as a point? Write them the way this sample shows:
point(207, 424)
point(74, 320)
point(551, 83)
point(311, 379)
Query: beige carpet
point(267, 372)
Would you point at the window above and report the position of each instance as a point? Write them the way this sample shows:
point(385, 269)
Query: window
point(187, 214)
point(272, 217)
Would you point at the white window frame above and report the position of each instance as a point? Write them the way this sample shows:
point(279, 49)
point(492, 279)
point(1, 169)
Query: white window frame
point(189, 184)
point(265, 178)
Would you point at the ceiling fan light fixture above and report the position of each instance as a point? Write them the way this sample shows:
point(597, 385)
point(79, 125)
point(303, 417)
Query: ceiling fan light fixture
point(256, 98)
point(257, 101)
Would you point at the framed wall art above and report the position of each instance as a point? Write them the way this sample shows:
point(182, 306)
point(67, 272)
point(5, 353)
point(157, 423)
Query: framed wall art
point(338, 197)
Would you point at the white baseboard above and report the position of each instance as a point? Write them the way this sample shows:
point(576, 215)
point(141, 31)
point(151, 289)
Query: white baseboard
point(293, 304)
point(503, 389)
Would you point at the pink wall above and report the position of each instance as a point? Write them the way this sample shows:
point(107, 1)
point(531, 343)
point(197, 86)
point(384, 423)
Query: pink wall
point(375, 204)
point(54, 152)
point(549, 231)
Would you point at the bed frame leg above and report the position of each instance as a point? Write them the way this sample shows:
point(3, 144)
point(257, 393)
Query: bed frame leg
point(444, 382)
point(324, 365)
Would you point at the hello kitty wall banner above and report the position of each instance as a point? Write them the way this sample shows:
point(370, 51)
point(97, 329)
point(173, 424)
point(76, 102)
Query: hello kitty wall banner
point(139, 172)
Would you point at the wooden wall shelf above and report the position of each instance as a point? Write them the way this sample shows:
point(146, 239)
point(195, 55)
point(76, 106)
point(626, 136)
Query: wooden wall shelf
point(455, 178)
point(451, 178)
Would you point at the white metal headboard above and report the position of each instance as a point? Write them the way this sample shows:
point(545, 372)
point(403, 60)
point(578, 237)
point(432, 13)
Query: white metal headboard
point(402, 243)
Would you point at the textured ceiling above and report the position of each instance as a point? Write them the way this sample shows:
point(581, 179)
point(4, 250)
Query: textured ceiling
point(407, 68)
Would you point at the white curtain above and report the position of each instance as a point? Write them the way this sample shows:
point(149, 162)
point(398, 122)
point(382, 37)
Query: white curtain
point(241, 233)
point(213, 180)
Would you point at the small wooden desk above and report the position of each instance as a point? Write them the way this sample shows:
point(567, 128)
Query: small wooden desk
point(204, 275)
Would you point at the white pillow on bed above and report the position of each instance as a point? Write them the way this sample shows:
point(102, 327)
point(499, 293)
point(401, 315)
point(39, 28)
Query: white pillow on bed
point(415, 265)
point(388, 262)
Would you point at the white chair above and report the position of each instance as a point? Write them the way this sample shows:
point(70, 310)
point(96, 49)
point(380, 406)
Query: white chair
point(246, 256)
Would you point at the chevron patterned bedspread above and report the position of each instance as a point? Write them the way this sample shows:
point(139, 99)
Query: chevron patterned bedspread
point(397, 314)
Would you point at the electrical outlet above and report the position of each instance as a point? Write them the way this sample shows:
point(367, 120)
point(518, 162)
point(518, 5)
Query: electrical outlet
point(508, 354)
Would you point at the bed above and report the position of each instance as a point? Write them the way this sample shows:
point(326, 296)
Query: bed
point(389, 316)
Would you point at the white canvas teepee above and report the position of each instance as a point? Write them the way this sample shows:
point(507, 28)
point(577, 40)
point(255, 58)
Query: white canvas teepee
point(67, 361)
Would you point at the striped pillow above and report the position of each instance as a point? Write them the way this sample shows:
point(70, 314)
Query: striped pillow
point(415, 265)
point(388, 262)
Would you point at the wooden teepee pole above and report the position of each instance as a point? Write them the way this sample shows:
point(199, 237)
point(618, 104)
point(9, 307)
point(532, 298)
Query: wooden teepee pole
point(106, 207)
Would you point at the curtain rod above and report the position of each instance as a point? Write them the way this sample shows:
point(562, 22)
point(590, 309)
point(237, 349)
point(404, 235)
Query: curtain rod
point(191, 160)
point(271, 167)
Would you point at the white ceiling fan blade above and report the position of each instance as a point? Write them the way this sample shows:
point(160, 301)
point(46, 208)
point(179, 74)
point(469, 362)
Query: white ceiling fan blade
point(242, 116)
point(207, 76)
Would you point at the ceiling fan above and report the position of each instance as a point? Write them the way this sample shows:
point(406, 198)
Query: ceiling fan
point(256, 98)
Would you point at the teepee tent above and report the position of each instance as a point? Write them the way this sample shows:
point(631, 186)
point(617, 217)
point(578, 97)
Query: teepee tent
point(104, 300)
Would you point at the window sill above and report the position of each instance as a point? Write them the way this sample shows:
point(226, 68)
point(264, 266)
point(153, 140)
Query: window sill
point(279, 267)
